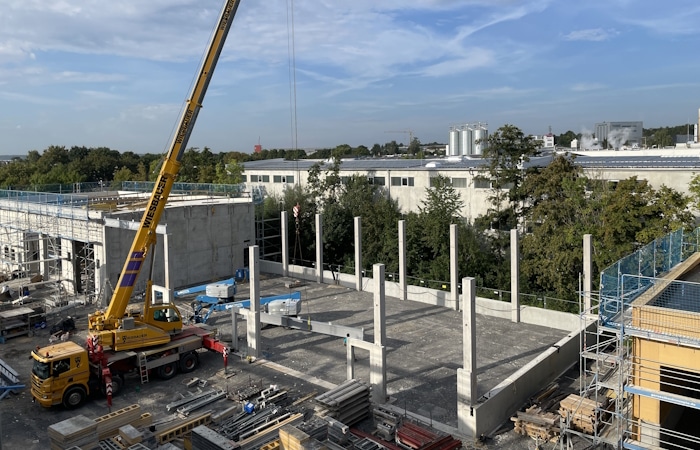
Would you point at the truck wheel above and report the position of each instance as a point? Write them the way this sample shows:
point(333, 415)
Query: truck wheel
point(167, 371)
point(73, 397)
point(189, 362)
point(117, 384)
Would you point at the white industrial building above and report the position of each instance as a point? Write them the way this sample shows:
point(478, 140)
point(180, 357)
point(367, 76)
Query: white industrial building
point(406, 180)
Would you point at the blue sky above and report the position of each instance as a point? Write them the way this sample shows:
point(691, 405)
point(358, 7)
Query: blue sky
point(115, 74)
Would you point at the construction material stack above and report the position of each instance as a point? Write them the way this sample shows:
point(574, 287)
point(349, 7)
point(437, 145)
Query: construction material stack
point(583, 414)
point(78, 431)
point(536, 423)
point(348, 403)
point(413, 436)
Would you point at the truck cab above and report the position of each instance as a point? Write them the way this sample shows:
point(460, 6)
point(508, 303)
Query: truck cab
point(60, 374)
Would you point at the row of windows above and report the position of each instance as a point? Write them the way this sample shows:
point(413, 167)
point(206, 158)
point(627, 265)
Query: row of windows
point(266, 179)
point(460, 183)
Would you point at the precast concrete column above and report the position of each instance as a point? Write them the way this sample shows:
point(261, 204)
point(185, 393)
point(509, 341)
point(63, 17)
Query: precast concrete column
point(454, 267)
point(285, 244)
point(319, 249)
point(466, 377)
point(44, 256)
point(358, 253)
point(587, 271)
point(377, 360)
point(514, 276)
point(253, 325)
point(403, 283)
point(379, 305)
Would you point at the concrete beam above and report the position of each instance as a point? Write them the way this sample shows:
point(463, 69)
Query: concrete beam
point(314, 326)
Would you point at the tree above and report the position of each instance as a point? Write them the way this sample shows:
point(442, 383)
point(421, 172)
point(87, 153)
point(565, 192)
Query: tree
point(414, 147)
point(556, 204)
point(507, 152)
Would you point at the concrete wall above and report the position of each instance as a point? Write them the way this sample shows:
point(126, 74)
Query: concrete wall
point(206, 243)
point(505, 399)
point(484, 306)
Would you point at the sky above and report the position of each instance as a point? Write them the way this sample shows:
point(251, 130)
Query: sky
point(320, 73)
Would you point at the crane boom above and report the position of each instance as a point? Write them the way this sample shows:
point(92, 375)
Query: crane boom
point(145, 238)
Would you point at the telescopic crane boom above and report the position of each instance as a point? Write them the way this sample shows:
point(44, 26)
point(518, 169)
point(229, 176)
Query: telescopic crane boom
point(110, 327)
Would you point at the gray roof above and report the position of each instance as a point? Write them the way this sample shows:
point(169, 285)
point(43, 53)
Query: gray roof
point(368, 164)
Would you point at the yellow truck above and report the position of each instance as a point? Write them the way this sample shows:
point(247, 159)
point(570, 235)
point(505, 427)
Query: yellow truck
point(67, 373)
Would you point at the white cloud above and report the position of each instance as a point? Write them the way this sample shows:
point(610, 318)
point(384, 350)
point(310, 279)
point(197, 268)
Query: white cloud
point(591, 34)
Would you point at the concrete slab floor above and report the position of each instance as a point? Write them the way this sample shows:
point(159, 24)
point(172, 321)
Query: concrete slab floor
point(424, 345)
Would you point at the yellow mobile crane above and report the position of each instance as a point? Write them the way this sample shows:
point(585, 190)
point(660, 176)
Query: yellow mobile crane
point(150, 328)
point(66, 372)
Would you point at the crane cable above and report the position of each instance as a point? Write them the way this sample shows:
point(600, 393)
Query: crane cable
point(293, 118)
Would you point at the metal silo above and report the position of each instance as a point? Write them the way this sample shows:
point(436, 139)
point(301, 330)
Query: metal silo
point(454, 142)
point(481, 133)
point(466, 141)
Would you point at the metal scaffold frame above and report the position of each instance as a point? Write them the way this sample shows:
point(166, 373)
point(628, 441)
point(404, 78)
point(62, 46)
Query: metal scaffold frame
point(634, 309)
point(52, 235)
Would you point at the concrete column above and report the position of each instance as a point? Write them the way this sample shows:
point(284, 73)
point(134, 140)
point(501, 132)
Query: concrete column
point(44, 256)
point(514, 276)
point(350, 361)
point(466, 377)
point(319, 249)
point(358, 253)
point(285, 244)
point(379, 305)
point(454, 267)
point(253, 325)
point(377, 357)
point(587, 272)
point(403, 283)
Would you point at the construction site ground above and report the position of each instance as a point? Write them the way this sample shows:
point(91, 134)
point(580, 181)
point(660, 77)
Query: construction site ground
point(424, 353)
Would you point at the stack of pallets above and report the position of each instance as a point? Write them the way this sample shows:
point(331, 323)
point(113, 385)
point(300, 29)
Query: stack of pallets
point(78, 431)
point(537, 424)
point(583, 414)
point(347, 403)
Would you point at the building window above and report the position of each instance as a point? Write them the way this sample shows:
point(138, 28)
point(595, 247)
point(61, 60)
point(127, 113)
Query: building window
point(407, 181)
point(459, 182)
point(290, 179)
point(260, 178)
point(277, 178)
point(378, 181)
point(396, 181)
point(480, 183)
point(344, 180)
point(244, 178)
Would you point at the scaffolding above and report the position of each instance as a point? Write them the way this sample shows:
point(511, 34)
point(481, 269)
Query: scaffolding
point(638, 359)
point(52, 235)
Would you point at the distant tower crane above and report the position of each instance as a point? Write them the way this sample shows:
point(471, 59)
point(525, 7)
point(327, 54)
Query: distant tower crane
point(408, 132)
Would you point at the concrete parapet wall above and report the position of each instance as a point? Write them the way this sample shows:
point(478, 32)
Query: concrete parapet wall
point(501, 402)
point(487, 307)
